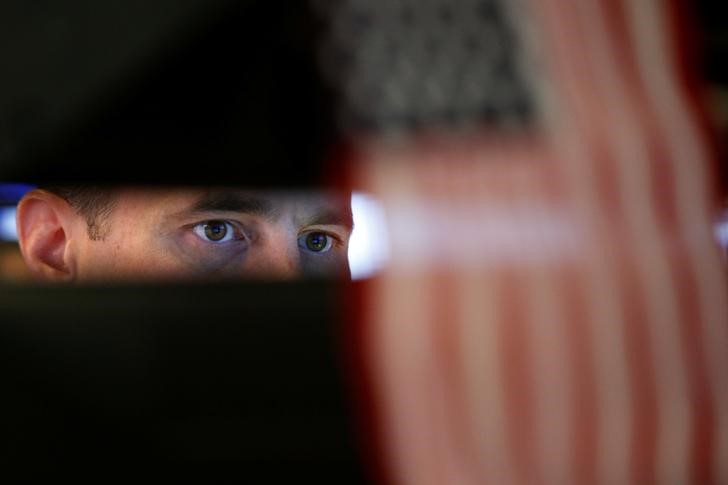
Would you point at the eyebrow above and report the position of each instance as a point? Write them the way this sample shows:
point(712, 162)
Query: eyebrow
point(339, 217)
point(233, 202)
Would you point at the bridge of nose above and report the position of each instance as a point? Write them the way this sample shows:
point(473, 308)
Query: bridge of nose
point(275, 253)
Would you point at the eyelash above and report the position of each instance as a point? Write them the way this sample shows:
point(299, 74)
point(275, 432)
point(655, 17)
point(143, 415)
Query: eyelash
point(233, 233)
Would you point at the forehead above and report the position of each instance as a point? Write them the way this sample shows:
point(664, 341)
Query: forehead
point(270, 203)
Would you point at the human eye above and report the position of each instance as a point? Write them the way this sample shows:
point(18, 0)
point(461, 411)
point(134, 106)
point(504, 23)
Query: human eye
point(316, 241)
point(216, 231)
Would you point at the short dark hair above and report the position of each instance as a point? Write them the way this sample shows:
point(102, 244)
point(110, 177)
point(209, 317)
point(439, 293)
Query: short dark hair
point(93, 203)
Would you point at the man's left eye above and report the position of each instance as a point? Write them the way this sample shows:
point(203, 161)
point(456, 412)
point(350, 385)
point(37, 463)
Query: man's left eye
point(215, 231)
point(317, 242)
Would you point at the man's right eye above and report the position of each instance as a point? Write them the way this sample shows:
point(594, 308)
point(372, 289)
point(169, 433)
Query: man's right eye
point(215, 231)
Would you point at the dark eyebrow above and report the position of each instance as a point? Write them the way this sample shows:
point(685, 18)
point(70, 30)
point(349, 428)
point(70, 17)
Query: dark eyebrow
point(233, 202)
point(339, 217)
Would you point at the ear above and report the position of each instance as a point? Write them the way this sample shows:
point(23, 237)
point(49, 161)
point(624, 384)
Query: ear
point(44, 223)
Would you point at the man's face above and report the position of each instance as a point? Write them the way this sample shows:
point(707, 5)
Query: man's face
point(214, 233)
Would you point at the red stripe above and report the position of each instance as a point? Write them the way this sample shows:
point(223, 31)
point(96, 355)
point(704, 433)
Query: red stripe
point(703, 413)
point(519, 395)
point(625, 55)
point(662, 190)
point(607, 190)
point(582, 376)
point(642, 375)
point(446, 330)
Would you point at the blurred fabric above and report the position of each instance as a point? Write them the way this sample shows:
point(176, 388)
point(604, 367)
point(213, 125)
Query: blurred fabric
point(556, 306)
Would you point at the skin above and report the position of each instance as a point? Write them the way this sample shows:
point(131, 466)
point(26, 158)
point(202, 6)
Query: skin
point(188, 234)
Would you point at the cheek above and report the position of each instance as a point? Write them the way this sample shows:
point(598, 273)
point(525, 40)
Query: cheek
point(130, 257)
point(332, 264)
point(97, 260)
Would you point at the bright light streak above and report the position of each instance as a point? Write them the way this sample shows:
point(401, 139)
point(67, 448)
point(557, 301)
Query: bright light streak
point(8, 231)
point(369, 242)
point(721, 232)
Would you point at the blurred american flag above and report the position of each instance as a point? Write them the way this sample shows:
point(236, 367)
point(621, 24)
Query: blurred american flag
point(555, 308)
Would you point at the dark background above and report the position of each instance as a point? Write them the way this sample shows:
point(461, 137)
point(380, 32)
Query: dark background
point(171, 92)
point(198, 91)
point(710, 53)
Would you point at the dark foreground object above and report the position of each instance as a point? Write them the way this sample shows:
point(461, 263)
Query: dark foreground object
point(236, 383)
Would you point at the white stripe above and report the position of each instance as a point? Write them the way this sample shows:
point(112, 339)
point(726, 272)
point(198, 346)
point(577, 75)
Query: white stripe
point(480, 232)
point(483, 374)
point(690, 163)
